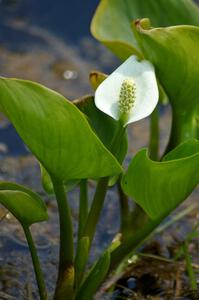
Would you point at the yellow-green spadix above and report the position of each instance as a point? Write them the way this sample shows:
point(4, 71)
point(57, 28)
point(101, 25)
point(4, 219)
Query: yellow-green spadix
point(130, 93)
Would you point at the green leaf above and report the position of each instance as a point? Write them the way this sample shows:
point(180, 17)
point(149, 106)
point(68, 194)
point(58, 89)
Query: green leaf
point(55, 131)
point(112, 21)
point(25, 205)
point(174, 53)
point(103, 125)
point(94, 278)
point(46, 181)
point(48, 185)
point(159, 187)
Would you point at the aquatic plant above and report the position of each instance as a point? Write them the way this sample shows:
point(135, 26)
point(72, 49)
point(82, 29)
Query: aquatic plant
point(86, 139)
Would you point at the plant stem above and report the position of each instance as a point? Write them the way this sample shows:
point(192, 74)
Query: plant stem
point(184, 127)
point(100, 193)
point(138, 218)
point(82, 242)
point(96, 208)
point(190, 271)
point(154, 135)
point(98, 200)
point(133, 241)
point(83, 207)
point(124, 211)
point(36, 264)
point(176, 217)
point(65, 281)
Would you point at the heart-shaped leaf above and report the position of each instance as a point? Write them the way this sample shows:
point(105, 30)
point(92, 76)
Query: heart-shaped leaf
point(174, 53)
point(112, 21)
point(25, 205)
point(55, 131)
point(159, 187)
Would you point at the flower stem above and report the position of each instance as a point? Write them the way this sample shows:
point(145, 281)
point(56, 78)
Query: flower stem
point(82, 242)
point(96, 208)
point(101, 189)
point(124, 211)
point(65, 281)
point(184, 127)
point(154, 135)
point(36, 264)
point(83, 207)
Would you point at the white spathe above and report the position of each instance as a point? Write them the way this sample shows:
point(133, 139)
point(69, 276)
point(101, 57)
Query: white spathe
point(142, 73)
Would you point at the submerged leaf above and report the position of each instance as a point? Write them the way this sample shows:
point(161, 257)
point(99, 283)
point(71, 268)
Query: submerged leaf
point(159, 187)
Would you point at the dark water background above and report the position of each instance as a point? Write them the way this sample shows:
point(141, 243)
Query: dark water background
point(67, 19)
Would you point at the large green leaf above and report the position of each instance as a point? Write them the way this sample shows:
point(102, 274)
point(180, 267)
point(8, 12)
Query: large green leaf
point(112, 21)
point(55, 131)
point(174, 52)
point(24, 204)
point(159, 187)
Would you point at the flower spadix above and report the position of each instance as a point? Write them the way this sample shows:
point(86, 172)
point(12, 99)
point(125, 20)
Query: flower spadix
point(130, 93)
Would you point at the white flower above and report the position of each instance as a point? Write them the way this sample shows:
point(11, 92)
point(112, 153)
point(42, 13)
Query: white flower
point(130, 93)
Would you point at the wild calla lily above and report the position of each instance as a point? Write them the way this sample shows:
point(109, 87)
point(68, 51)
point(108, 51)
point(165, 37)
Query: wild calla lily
point(130, 93)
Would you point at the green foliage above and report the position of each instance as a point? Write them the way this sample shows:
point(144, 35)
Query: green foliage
point(164, 47)
point(73, 141)
point(94, 278)
point(54, 129)
point(169, 49)
point(81, 258)
point(48, 185)
point(111, 24)
point(159, 187)
point(25, 205)
point(103, 125)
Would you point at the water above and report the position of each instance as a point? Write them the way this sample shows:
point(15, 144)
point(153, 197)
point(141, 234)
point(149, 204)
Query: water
point(67, 19)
